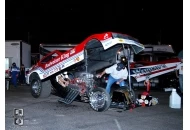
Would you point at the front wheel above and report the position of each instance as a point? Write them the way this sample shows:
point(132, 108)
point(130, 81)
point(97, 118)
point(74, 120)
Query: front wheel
point(99, 99)
point(39, 88)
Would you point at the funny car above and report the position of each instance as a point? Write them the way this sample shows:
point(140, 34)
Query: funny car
point(72, 73)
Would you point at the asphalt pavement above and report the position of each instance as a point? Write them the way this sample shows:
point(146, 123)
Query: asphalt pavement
point(48, 114)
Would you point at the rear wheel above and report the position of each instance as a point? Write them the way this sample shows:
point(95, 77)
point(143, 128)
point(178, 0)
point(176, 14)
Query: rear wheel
point(123, 94)
point(132, 95)
point(99, 99)
point(39, 89)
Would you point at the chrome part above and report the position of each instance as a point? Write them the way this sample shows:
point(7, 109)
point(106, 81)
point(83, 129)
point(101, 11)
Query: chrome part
point(36, 87)
point(87, 78)
point(97, 100)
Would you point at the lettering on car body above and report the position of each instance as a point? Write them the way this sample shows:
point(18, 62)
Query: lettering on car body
point(72, 51)
point(52, 62)
point(148, 69)
point(65, 56)
point(106, 36)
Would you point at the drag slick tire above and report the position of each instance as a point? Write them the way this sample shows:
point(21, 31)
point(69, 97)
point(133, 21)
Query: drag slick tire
point(39, 89)
point(99, 99)
point(132, 95)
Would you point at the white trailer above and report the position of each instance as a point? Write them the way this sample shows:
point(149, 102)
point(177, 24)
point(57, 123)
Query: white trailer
point(17, 51)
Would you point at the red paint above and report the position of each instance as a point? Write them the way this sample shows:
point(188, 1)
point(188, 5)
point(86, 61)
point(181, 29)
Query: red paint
point(64, 55)
point(147, 84)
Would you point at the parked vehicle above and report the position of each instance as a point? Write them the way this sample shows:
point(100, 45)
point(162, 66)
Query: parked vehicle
point(158, 61)
point(73, 72)
point(80, 64)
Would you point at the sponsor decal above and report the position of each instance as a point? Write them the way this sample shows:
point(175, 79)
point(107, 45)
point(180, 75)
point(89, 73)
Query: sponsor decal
point(52, 62)
point(121, 40)
point(77, 59)
point(62, 64)
point(72, 51)
point(148, 70)
point(106, 36)
point(65, 56)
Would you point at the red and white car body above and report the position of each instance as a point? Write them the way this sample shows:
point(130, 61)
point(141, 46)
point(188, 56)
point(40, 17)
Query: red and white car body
point(63, 60)
point(152, 69)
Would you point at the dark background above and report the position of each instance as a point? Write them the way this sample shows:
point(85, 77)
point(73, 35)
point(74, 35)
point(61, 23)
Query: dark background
point(71, 21)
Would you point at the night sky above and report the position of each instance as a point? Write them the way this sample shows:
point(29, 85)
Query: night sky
point(70, 21)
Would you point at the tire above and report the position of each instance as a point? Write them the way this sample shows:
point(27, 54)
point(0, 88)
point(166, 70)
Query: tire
point(99, 99)
point(132, 95)
point(39, 89)
point(132, 92)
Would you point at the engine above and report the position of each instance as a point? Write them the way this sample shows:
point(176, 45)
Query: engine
point(83, 81)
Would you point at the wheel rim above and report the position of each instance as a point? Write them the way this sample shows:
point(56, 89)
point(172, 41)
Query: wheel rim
point(97, 100)
point(36, 87)
point(132, 95)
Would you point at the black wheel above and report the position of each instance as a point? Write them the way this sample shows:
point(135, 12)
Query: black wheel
point(39, 89)
point(99, 99)
point(132, 95)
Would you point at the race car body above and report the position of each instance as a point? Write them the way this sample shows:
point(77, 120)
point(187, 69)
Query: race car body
point(56, 60)
point(140, 70)
point(157, 62)
point(73, 72)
